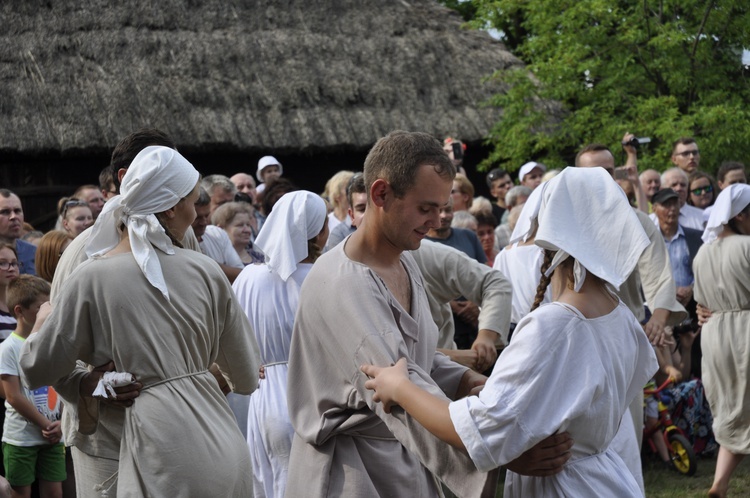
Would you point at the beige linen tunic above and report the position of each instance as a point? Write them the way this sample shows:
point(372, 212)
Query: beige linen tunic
point(344, 444)
point(179, 438)
point(449, 274)
point(722, 283)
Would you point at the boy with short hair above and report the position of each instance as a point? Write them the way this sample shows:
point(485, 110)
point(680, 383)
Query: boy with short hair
point(31, 433)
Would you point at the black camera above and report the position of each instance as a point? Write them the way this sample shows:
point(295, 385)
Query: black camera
point(635, 142)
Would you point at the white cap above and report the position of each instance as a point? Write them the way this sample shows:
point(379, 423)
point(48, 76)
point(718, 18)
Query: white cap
point(265, 162)
point(526, 169)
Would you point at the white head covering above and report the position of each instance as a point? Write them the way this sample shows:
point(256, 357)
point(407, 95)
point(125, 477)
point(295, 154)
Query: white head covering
point(585, 214)
point(296, 218)
point(528, 167)
point(156, 180)
point(265, 162)
point(730, 202)
point(528, 221)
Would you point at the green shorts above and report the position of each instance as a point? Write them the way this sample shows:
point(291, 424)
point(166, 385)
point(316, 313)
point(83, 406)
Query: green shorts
point(23, 464)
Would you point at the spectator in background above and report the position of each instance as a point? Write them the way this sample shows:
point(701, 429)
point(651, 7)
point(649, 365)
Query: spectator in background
point(499, 182)
point(92, 195)
point(245, 184)
point(236, 219)
point(213, 241)
point(486, 224)
point(220, 190)
point(269, 169)
point(462, 193)
point(464, 220)
point(455, 150)
point(11, 230)
point(685, 154)
point(650, 183)
point(357, 199)
point(273, 192)
point(335, 193)
point(9, 267)
point(32, 236)
point(107, 184)
point(49, 251)
point(75, 215)
point(702, 190)
point(530, 174)
point(731, 172)
point(515, 197)
point(677, 180)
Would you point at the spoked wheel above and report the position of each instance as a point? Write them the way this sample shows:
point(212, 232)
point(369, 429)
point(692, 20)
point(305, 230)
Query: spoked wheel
point(683, 456)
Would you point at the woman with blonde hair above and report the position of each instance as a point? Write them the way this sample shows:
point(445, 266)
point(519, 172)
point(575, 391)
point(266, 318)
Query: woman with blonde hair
point(238, 220)
point(75, 215)
point(335, 192)
point(48, 253)
point(462, 193)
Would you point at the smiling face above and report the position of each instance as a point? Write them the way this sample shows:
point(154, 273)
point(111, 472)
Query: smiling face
point(407, 220)
point(77, 219)
point(701, 192)
point(240, 230)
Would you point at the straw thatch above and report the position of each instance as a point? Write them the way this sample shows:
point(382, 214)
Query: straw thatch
point(245, 75)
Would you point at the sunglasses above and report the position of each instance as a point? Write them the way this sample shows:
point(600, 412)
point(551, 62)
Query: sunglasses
point(702, 190)
point(73, 203)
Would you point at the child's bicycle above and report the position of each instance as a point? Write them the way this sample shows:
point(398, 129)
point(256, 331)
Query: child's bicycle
point(680, 450)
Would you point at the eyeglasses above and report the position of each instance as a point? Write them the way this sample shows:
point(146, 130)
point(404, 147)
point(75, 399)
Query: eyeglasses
point(688, 153)
point(702, 190)
point(73, 203)
point(7, 265)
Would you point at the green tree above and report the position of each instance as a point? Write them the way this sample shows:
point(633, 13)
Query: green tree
point(598, 68)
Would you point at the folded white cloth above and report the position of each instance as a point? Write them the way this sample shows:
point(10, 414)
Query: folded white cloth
point(585, 214)
point(730, 202)
point(528, 221)
point(296, 218)
point(109, 381)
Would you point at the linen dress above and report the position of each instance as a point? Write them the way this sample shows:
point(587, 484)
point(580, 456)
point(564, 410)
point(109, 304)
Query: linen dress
point(561, 372)
point(270, 304)
point(722, 283)
point(179, 438)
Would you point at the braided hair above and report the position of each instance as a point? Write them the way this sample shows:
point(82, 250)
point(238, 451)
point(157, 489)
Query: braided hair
point(544, 281)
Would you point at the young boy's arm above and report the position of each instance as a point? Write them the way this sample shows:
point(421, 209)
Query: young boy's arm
point(14, 396)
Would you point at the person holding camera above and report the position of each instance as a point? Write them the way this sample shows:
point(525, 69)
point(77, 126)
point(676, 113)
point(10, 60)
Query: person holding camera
point(629, 172)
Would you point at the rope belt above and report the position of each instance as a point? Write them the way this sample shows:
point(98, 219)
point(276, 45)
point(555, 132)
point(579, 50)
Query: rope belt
point(192, 374)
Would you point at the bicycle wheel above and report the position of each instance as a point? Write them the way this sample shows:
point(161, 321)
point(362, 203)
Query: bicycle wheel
point(683, 456)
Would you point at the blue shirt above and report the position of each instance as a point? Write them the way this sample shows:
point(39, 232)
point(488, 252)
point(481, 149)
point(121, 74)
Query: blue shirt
point(465, 241)
point(26, 254)
point(679, 258)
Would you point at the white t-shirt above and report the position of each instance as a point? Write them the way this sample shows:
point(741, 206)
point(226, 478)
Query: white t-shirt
point(17, 430)
point(216, 245)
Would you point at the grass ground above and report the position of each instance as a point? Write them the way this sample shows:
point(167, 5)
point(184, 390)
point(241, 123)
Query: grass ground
point(663, 483)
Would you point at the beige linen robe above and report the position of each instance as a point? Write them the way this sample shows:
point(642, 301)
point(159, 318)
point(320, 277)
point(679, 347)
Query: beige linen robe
point(722, 283)
point(449, 274)
point(179, 438)
point(344, 443)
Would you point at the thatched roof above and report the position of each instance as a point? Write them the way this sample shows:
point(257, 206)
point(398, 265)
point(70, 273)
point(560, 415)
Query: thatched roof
point(249, 75)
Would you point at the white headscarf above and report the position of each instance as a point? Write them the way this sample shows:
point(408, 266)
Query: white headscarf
point(528, 221)
point(156, 180)
point(296, 218)
point(585, 214)
point(730, 202)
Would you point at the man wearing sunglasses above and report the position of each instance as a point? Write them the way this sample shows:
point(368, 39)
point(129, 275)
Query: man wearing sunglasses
point(685, 154)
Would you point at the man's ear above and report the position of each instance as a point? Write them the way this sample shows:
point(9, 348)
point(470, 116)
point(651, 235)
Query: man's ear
point(120, 173)
point(379, 192)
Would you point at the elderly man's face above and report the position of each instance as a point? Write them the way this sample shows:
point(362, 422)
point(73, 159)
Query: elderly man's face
point(677, 181)
point(202, 216)
point(650, 182)
point(244, 184)
point(95, 199)
point(668, 212)
point(218, 197)
point(11, 217)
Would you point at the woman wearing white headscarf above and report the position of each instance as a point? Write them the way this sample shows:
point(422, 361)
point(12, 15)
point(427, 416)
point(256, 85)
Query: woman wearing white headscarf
point(573, 365)
point(722, 284)
point(164, 314)
point(292, 238)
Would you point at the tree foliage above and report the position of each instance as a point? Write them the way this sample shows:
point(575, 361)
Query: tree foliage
point(598, 68)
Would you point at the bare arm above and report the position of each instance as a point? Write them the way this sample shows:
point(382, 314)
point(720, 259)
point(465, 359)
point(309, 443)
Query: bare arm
point(12, 387)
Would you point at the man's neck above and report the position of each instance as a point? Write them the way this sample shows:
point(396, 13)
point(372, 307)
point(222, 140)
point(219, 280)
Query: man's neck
point(370, 248)
point(668, 231)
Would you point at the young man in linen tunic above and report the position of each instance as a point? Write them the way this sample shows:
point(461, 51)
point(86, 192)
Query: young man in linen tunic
point(364, 302)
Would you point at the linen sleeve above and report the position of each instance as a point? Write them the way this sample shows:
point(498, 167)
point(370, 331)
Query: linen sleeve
point(531, 395)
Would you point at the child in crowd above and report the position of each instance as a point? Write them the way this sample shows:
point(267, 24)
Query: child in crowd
point(31, 432)
point(8, 272)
